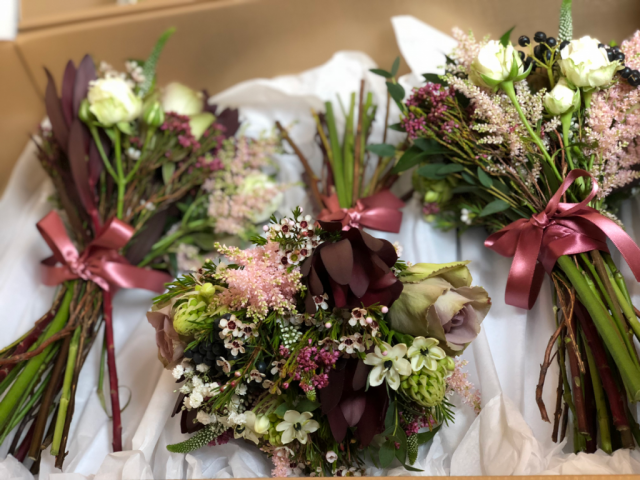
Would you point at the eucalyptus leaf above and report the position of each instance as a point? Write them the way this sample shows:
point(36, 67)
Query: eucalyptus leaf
point(424, 437)
point(484, 178)
point(465, 189)
point(397, 92)
point(450, 168)
point(431, 171)
point(496, 206)
point(381, 72)
point(389, 419)
point(401, 453)
point(396, 127)
point(387, 453)
point(430, 146)
point(395, 66)
point(468, 178)
point(434, 78)
point(281, 410)
point(382, 149)
point(306, 405)
point(410, 158)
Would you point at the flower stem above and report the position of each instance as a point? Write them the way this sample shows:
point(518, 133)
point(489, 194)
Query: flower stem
point(121, 181)
point(511, 93)
point(11, 399)
point(606, 327)
point(113, 374)
point(601, 404)
point(66, 392)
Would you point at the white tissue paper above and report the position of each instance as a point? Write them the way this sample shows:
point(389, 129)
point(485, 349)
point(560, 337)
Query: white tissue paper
point(507, 437)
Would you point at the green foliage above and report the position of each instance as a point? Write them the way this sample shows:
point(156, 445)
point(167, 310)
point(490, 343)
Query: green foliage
point(149, 69)
point(495, 206)
point(382, 149)
point(505, 38)
point(484, 178)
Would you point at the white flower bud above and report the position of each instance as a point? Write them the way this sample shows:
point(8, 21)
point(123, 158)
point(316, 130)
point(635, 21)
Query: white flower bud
point(494, 62)
point(561, 98)
point(112, 101)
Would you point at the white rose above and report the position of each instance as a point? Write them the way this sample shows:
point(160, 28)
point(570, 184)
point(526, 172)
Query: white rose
point(586, 65)
point(261, 182)
point(182, 100)
point(561, 98)
point(112, 101)
point(494, 62)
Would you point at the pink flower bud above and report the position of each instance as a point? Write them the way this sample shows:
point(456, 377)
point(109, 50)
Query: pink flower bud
point(265, 228)
point(327, 325)
point(238, 374)
point(285, 385)
point(369, 320)
point(385, 353)
point(385, 309)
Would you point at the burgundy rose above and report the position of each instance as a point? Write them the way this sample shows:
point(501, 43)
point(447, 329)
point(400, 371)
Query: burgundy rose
point(354, 271)
point(170, 347)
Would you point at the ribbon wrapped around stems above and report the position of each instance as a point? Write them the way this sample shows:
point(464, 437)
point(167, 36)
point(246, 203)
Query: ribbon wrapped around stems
point(561, 229)
point(99, 263)
point(379, 212)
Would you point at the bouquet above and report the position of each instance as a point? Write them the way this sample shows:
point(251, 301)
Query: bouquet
point(137, 172)
point(354, 189)
point(320, 346)
point(539, 145)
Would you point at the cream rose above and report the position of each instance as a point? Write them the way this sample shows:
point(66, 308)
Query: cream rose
point(494, 64)
point(585, 65)
point(112, 101)
point(182, 100)
point(561, 98)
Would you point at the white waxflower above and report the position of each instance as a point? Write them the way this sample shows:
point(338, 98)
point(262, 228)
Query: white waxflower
point(331, 456)
point(204, 418)
point(202, 368)
point(112, 101)
point(494, 64)
point(561, 98)
point(585, 64)
point(241, 389)
point(424, 352)
point(297, 426)
point(465, 216)
point(181, 99)
point(388, 365)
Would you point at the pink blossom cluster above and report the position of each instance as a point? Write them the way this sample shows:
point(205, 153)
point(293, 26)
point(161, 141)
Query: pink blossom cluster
point(234, 202)
point(259, 285)
point(466, 51)
point(459, 383)
point(423, 421)
point(179, 124)
point(613, 125)
point(413, 125)
point(310, 359)
point(431, 208)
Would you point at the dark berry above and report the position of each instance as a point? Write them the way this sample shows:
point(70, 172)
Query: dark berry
point(611, 55)
point(189, 353)
point(232, 357)
point(527, 62)
point(216, 324)
point(616, 49)
point(537, 52)
point(226, 316)
point(564, 43)
point(218, 349)
point(540, 37)
point(261, 366)
point(209, 362)
point(524, 41)
point(634, 78)
point(624, 73)
point(210, 355)
point(547, 55)
point(521, 54)
point(601, 45)
point(620, 57)
point(202, 348)
point(197, 358)
point(552, 42)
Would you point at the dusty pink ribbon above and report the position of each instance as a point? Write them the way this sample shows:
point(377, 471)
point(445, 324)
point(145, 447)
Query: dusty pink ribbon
point(561, 229)
point(379, 212)
point(99, 263)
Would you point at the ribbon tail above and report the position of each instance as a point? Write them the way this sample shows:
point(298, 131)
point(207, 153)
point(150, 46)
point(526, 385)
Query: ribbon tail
point(123, 275)
point(526, 274)
point(383, 219)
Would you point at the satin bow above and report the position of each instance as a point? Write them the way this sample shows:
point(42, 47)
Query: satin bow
point(99, 263)
point(561, 229)
point(379, 212)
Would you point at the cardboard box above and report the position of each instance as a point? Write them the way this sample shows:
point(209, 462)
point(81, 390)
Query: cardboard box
point(220, 43)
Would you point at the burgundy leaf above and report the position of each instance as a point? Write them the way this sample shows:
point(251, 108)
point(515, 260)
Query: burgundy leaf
point(339, 294)
point(385, 281)
point(86, 73)
point(360, 376)
point(353, 408)
point(315, 284)
point(305, 266)
point(178, 406)
point(338, 424)
point(331, 394)
point(188, 423)
point(68, 82)
point(144, 240)
point(310, 304)
point(330, 226)
point(359, 282)
point(78, 153)
point(372, 421)
point(338, 260)
point(55, 114)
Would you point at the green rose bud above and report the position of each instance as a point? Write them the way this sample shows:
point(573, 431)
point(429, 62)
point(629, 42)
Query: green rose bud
point(84, 112)
point(438, 301)
point(562, 98)
point(153, 114)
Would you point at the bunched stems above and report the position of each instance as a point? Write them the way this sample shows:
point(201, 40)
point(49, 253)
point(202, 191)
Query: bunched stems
point(606, 328)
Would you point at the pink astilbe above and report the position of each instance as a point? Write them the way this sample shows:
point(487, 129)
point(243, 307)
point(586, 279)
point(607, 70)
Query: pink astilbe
point(465, 51)
point(234, 202)
point(260, 284)
point(613, 125)
point(496, 117)
point(458, 382)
